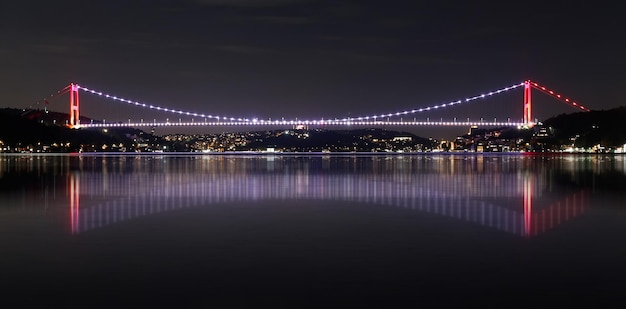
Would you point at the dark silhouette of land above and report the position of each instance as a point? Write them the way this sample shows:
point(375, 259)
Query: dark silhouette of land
point(46, 131)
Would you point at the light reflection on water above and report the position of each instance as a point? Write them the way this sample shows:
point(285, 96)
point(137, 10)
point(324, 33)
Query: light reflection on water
point(516, 194)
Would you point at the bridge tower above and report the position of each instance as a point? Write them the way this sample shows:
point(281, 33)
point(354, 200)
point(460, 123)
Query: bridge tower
point(527, 104)
point(74, 107)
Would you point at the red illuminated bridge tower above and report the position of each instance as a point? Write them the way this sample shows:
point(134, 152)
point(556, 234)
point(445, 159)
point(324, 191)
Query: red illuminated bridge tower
point(74, 106)
point(528, 85)
point(527, 104)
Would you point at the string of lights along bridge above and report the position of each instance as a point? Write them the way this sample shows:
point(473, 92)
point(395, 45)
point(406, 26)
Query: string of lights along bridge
point(385, 119)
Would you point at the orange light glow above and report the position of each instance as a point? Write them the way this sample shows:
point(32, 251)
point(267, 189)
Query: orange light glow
point(74, 195)
point(528, 206)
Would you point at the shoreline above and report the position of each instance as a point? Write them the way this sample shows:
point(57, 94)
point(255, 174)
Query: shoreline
point(313, 154)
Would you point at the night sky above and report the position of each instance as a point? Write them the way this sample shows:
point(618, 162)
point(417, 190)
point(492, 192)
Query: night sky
point(311, 58)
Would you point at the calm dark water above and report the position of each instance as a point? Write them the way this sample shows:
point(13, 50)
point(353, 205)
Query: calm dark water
point(312, 231)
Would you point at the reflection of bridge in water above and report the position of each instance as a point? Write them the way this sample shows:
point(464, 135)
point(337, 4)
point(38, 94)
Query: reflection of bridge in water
point(501, 195)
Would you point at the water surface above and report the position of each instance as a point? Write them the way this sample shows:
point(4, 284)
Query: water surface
point(312, 231)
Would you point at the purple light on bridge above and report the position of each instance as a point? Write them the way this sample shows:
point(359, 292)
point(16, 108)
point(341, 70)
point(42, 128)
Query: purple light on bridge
point(358, 120)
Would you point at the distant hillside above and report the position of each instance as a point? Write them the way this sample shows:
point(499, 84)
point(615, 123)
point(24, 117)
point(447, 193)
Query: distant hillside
point(317, 140)
point(36, 127)
point(595, 131)
point(605, 127)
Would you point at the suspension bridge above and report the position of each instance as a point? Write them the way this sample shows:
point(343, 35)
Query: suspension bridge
point(384, 119)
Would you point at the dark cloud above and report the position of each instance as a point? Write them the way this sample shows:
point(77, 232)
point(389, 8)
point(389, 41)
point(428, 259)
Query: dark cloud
point(365, 56)
point(285, 20)
point(242, 49)
point(359, 39)
point(250, 3)
point(52, 48)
